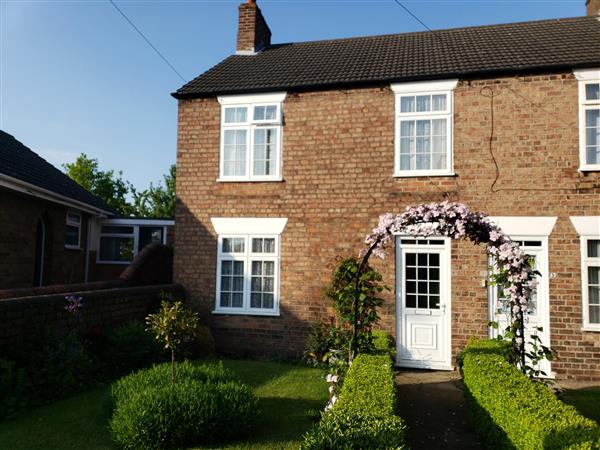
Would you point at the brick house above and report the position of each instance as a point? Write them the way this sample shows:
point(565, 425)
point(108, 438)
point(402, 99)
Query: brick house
point(56, 232)
point(288, 154)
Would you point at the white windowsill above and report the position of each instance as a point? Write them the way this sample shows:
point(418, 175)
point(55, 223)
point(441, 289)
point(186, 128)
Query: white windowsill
point(114, 262)
point(248, 180)
point(589, 169)
point(247, 313)
point(424, 174)
point(588, 328)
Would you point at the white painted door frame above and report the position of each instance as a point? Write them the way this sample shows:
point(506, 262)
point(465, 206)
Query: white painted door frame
point(407, 355)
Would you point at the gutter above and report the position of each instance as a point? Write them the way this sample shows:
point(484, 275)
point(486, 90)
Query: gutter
point(27, 188)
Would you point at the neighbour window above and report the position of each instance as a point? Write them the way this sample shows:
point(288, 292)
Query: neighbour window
point(589, 119)
point(251, 128)
point(248, 274)
point(591, 281)
point(116, 243)
point(423, 128)
point(73, 230)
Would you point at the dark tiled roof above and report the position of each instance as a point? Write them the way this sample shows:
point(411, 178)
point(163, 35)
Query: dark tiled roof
point(18, 161)
point(494, 49)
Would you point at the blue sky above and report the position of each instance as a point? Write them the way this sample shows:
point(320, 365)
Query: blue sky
point(75, 77)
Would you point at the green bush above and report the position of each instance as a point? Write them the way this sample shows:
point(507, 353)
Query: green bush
point(12, 388)
point(339, 430)
point(363, 417)
point(512, 411)
point(131, 347)
point(369, 387)
point(201, 346)
point(203, 406)
point(322, 339)
point(382, 343)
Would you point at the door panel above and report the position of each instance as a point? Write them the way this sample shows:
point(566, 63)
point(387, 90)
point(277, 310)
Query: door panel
point(422, 300)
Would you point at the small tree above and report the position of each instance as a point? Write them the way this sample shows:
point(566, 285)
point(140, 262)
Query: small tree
point(173, 324)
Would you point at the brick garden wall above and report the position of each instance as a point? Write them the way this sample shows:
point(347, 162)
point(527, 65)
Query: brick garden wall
point(19, 215)
point(338, 156)
point(106, 308)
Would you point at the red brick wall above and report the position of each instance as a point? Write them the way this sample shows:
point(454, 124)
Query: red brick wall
point(19, 215)
point(105, 308)
point(338, 156)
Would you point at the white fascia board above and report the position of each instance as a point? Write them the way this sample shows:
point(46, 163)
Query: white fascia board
point(275, 97)
point(525, 225)
point(586, 225)
point(587, 74)
point(424, 86)
point(36, 191)
point(248, 225)
point(137, 221)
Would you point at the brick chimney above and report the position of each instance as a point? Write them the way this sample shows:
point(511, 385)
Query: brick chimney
point(254, 34)
point(592, 7)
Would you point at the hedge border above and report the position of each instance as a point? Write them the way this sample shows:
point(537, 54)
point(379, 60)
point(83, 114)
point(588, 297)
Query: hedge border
point(511, 411)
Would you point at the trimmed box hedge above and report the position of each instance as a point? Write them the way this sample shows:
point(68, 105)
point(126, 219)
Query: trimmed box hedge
point(511, 411)
point(363, 417)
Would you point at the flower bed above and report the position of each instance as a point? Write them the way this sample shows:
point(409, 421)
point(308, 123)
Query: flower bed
point(511, 411)
point(363, 417)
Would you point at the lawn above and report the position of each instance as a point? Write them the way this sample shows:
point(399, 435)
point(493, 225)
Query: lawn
point(587, 402)
point(290, 398)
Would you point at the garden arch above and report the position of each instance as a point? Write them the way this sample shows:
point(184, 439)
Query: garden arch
point(512, 267)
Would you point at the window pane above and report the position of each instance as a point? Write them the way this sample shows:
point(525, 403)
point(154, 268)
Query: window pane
point(149, 235)
point(235, 115)
point(265, 151)
point(234, 153)
point(593, 248)
point(268, 301)
point(592, 135)
point(593, 155)
point(439, 102)
point(269, 267)
point(594, 314)
point(238, 267)
point(405, 162)
point(594, 295)
point(407, 104)
point(263, 245)
point(423, 161)
point(592, 118)
point(592, 91)
point(116, 248)
point(594, 275)
point(268, 112)
point(73, 217)
point(424, 128)
point(423, 103)
point(438, 161)
point(233, 245)
point(407, 128)
point(237, 300)
point(72, 235)
point(225, 299)
point(256, 268)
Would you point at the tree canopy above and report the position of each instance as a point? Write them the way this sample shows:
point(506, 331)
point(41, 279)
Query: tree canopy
point(158, 200)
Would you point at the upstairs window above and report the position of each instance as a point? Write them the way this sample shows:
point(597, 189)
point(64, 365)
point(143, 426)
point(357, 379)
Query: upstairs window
point(423, 128)
point(251, 127)
point(73, 230)
point(589, 119)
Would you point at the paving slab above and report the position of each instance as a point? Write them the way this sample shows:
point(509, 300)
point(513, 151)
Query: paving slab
point(433, 405)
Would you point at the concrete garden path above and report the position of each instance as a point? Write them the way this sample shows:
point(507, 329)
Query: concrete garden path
point(434, 408)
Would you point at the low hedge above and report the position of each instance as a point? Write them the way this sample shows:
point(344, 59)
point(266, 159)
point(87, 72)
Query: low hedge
point(204, 406)
point(363, 417)
point(511, 411)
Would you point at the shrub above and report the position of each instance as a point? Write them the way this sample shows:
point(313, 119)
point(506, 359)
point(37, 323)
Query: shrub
point(12, 388)
point(322, 338)
point(368, 388)
point(131, 347)
point(382, 343)
point(203, 406)
point(512, 411)
point(354, 431)
point(363, 417)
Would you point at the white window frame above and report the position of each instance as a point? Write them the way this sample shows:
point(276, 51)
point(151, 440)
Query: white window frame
point(248, 228)
point(136, 224)
point(585, 77)
point(425, 88)
point(587, 227)
point(587, 261)
point(73, 223)
point(250, 126)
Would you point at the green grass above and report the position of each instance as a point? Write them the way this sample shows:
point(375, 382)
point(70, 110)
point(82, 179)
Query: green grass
point(290, 398)
point(587, 402)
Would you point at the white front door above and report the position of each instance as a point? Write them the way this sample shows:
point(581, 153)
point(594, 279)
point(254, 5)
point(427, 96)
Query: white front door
point(423, 303)
point(538, 315)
